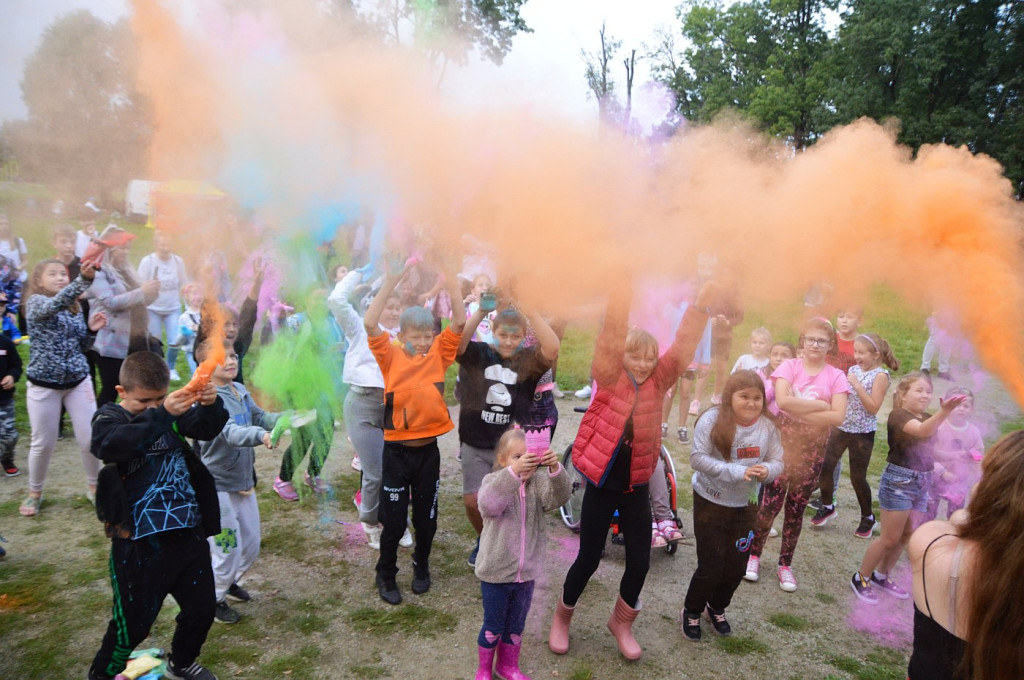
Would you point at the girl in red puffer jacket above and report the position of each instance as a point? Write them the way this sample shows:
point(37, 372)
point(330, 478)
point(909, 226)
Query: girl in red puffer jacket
point(616, 450)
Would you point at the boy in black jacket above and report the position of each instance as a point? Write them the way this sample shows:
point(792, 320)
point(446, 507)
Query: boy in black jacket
point(158, 504)
point(10, 370)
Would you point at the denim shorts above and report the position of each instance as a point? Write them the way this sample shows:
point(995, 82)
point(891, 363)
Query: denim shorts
point(903, 489)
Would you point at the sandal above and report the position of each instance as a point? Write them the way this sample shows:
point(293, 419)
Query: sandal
point(670, 531)
point(657, 540)
point(30, 508)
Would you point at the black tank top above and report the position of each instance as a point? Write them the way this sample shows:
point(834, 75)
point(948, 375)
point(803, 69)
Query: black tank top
point(937, 652)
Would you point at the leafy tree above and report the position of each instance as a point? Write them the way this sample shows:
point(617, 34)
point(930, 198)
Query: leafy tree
point(600, 83)
point(444, 30)
point(87, 129)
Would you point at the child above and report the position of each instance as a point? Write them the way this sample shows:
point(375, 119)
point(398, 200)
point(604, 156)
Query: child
point(364, 402)
point(481, 284)
point(163, 312)
point(238, 326)
point(869, 381)
point(86, 231)
point(57, 373)
point(616, 451)
point(231, 460)
point(760, 343)
point(498, 382)
point(903, 489)
point(847, 322)
point(958, 448)
point(415, 415)
point(10, 320)
point(10, 369)
point(158, 503)
point(781, 351)
point(811, 396)
point(736, 448)
point(513, 500)
point(188, 322)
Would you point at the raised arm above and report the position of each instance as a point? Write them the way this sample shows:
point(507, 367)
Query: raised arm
point(547, 341)
point(927, 428)
point(611, 341)
point(371, 322)
point(458, 306)
point(340, 304)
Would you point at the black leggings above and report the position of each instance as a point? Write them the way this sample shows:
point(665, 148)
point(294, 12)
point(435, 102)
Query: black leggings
point(860, 445)
point(109, 370)
point(724, 536)
point(596, 514)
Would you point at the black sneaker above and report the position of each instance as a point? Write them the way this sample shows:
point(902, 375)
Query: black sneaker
point(11, 470)
point(388, 590)
point(866, 527)
point(683, 435)
point(824, 514)
point(863, 590)
point(472, 556)
point(193, 672)
point(238, 593)
point(420, 578)
point(690, 624)
point(225, 614)
point(815, 503)
point(889, 587)
point(718, 621)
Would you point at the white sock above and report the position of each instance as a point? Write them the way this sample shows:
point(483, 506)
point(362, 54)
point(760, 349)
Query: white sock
point(880, 576)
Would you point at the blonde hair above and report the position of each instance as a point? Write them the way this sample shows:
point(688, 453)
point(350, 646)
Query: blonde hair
point(639, 341)
point(504, 444)
point(763, 332)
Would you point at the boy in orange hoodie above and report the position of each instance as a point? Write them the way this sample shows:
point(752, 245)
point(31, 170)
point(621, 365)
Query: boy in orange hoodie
point(415, 415)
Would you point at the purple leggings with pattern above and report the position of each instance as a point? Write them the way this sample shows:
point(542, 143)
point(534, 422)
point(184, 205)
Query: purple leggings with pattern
point(804, 447)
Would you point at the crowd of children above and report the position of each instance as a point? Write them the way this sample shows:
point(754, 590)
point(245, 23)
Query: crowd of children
point(183, 516)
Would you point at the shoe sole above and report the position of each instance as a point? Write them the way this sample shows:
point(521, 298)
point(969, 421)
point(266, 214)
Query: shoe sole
point(861, 597)
point(226, 623)
point(11, 474)
point(235, 598)
point(895, 596)
point(749, 574)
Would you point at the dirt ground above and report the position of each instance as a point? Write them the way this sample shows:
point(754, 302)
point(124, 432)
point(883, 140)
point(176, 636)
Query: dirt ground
point(316, 614)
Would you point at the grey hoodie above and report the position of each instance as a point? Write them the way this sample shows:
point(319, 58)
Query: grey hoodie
point(230, 457)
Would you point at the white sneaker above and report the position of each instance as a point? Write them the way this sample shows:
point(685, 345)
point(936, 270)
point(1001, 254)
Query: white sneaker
point(406, 540)
point(372, 535)
point(557, 393)
point(174, 374)
point(357, 464)
point(786, 579)
point(584, 392)
point(773, 533)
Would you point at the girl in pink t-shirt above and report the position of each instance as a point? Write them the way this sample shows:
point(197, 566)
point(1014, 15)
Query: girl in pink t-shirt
point(811, 396)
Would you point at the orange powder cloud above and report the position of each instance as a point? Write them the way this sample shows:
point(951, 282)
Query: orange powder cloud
point(304, 110)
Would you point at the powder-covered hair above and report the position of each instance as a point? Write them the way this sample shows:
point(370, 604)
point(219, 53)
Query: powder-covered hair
point(723, 432)
point(416, 318)
point(639, 341)
point(995, 608)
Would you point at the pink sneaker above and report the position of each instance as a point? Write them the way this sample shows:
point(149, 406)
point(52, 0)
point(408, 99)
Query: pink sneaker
point(285, 490)
point(357, 464)
point(786, 579)
point(317, 484)
point(753, 569)
point(694, 407)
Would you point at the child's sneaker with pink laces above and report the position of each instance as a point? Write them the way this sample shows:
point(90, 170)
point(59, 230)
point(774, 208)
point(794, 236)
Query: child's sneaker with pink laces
point(753, 569)
point(786, 579)
point(285, 490)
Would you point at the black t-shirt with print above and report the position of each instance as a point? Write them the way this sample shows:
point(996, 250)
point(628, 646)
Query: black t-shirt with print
point(495, 392)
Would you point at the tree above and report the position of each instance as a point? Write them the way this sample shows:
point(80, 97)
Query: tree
point(87, 129)
point(766, 58)
point(599, 79)
point(444, 30)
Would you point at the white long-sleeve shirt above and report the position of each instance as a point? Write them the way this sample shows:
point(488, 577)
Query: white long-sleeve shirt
point(360, 365)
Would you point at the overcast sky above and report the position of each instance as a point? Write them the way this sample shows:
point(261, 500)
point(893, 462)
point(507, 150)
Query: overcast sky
point(544, 66)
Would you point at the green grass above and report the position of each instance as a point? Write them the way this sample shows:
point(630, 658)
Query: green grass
point(787, 621)
point(581, 672)
point(408, 619)
point(741, 645)
point(825, 598)
point(881, 664)
point(298, 666)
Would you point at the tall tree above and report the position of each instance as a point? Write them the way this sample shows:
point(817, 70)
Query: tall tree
point(766, 58)
point(600, 83)
point(87, 128)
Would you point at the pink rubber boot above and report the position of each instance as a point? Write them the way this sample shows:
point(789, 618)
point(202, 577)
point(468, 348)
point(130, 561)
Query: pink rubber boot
point(486, 655)
point(558, 640)
point(620, 623)
point(507, 666)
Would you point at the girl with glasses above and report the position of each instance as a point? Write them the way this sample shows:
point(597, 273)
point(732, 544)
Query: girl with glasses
point(811, 397)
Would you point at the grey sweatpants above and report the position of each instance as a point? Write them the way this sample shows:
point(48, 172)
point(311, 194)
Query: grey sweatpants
point(364, 419)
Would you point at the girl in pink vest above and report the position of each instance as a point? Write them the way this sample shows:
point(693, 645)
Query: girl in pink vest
point(616, 450)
